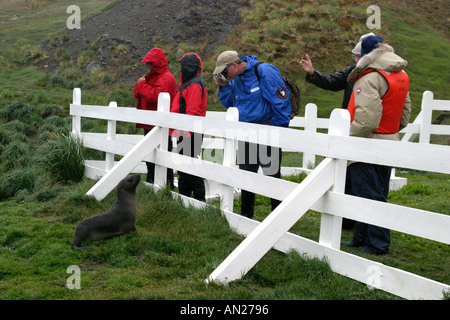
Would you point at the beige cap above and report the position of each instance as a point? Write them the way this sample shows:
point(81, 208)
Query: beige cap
point(357, 48)
point(224, 59)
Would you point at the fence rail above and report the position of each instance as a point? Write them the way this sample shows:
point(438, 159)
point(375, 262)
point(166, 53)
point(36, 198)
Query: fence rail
point(321, 191)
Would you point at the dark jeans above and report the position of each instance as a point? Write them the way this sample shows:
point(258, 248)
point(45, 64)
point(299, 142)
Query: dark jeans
point(189, 184)
point(370, 181)
point(348, 224)
point(151, 167)
point(250, 157)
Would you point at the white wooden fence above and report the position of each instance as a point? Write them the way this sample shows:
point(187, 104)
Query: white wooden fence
point(422, 125)
point(322, 190)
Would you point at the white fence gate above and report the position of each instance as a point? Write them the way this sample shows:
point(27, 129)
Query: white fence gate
point(322, 190)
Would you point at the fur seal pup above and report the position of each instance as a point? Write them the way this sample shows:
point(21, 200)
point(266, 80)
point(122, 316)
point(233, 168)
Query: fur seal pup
point(118, 220)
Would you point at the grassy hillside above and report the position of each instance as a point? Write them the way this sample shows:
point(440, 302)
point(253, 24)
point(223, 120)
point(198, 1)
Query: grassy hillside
point(35, 20)
point(280, 32)
point(176, 248)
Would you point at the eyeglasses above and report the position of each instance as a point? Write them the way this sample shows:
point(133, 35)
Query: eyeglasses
point(354, 56)
point(225, 71)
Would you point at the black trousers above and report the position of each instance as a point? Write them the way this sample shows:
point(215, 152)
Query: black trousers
point(250, 157)
point(370, 181)
point(189, 184)
point(151, 167)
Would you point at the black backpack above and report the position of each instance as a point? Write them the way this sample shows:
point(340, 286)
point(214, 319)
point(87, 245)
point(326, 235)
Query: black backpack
point(294, 92)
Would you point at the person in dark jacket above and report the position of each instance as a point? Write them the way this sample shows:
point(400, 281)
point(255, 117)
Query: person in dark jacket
point(146, 92)
point(336, 81)
point(191, 99)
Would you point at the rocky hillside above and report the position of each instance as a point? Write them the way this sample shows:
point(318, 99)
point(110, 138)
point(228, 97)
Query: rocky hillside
point(124, 33)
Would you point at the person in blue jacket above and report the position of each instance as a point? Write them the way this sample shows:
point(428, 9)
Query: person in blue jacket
point(261, 98)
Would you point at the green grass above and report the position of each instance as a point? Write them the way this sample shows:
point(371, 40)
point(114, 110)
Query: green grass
point(36, 20)
point(413, 38)
point(173, 251)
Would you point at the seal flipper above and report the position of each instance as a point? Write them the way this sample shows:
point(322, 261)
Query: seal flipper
point(80, 248)
point(76, 243)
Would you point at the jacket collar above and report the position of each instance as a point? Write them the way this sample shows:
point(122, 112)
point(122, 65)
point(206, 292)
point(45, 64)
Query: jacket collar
point(382, 58)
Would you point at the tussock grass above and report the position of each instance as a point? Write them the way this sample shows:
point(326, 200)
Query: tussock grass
point(16, 155)
point(16, 180)
point(62, 158)
point(50, 109)
point(18, 111)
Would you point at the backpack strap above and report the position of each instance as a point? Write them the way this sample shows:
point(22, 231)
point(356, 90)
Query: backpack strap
point(256, 71)
point(294, 92)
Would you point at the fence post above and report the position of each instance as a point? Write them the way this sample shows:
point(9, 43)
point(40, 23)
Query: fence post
point(229, 160)
point(330, 225)
point(411, 136)
point(309, 160)
point(427, 112)
point(160, 171)
point(275, 226)
point(76, 120)
point(111, 135)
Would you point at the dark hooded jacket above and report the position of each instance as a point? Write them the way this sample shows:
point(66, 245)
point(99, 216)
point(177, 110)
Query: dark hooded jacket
point(160, 79)
point(191, 97)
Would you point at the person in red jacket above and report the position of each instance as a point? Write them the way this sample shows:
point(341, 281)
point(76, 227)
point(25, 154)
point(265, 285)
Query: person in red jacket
point(146, 92)
point(191, 99)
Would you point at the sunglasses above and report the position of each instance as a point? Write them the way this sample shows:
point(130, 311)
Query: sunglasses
point(225, 71)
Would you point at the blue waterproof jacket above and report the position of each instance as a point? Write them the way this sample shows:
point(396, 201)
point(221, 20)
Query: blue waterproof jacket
point(261, 101)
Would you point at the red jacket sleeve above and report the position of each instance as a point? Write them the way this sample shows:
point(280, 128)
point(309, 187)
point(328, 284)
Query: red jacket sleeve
point(150, 92)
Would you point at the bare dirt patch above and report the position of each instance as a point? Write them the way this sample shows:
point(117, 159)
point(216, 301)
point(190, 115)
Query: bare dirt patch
point(140, 25)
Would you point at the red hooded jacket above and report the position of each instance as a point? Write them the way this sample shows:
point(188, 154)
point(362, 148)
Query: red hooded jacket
point(160, 79)
point(191, 97)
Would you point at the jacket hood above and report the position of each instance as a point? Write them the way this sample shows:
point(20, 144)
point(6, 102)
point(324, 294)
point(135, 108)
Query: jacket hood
point(191, 66)
point(251, 61)
point(157, 58)
point(383, 58)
